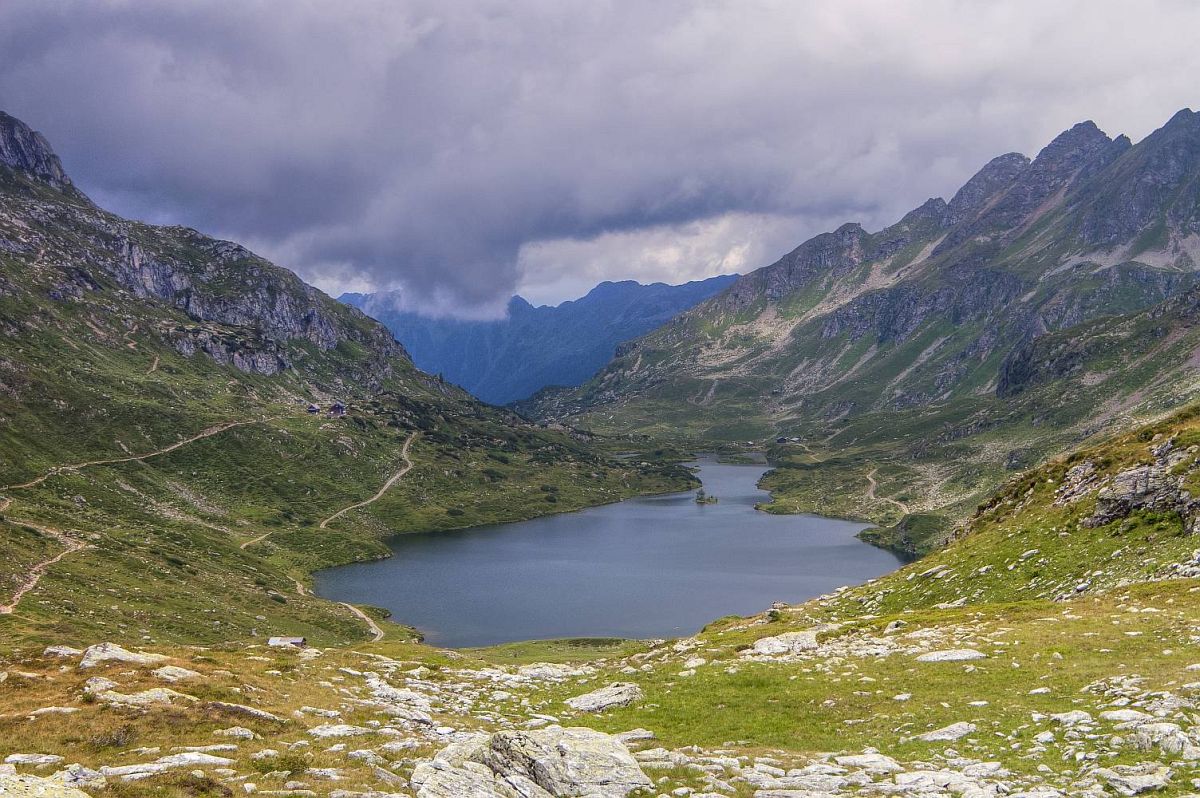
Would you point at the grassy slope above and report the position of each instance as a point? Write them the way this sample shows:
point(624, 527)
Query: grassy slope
point(1136, 621)
point(96, 374)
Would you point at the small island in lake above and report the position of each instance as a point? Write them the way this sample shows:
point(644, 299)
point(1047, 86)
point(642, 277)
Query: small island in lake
point(703, 498)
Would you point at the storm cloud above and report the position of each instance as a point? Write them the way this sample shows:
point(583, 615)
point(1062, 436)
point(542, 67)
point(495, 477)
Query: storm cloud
point(461, 151)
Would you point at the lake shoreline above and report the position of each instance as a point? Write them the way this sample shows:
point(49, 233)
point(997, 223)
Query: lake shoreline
point(644, 567)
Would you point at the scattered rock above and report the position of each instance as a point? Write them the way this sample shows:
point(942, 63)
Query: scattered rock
point(173, 673)
point(954, 731)
point(617, 694)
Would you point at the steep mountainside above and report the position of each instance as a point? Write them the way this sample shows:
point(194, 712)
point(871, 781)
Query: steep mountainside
point(187, 430)
point(533, 347)
point(918, 350)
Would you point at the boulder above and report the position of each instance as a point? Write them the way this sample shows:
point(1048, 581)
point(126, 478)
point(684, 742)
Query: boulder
point(156, 696)
point(546, 763)
point(617, 694)
point(61, 651)
point(190, 759)
point(949, 733)
point(33, 787)
point(76, 775)
point(339, 730)
point(37, 760)
point(174, 673)
point(111, 652)
point(952, 655)
point(786, 643)
point(1136, 780)
point(871, 763)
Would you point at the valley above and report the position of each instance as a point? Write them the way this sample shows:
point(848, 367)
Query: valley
point(1003, 385)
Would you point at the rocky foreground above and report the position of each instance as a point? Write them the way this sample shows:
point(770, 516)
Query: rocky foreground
point(967, 708)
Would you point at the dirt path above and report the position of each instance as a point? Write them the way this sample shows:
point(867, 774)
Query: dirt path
point(376, 632)
point(258, 539)
point(36, 572)
point(408, 464)
point(208, 433)
point(153, 366)
point(871, 493)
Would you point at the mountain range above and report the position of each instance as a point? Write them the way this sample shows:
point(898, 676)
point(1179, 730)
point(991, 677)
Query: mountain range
point(508, 359)
point(1049, 299)
point(187, 431)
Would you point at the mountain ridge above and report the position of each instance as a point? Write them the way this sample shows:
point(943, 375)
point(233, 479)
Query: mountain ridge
point(508, 359)
point(910, 327)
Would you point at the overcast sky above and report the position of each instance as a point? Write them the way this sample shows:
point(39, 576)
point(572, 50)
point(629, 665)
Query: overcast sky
point(464, 151)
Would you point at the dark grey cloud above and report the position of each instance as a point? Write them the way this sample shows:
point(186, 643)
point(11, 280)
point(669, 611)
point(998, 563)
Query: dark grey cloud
point(462, 150)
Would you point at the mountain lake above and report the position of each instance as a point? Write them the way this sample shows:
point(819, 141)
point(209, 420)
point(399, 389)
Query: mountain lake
point(648, 567)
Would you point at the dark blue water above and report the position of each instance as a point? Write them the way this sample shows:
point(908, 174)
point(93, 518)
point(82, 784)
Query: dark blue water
point(650, 567)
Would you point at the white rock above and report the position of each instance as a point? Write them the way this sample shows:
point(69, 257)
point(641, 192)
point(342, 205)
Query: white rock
point(155, 696)
point(786, 643)
point(61, 651)
point(173, 673)
point(1073, 718)
point(14, 786)
point(98, 684)
point(1134, 783)
point(237, 732)
point(1125, 715)
point(76, 775)
point(339, 730)
point(952, 655)
point(617, 694)
point(533, 764)
point(954, 731)
point(37, 760)
point(111, 652)
point(872, 763)
point(172, 762)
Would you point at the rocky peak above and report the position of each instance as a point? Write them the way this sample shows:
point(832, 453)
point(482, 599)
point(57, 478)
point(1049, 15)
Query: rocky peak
point(996, 176)
point(26, 150)
point(1150, 184)
point(1081, 150)
point(1071, 148)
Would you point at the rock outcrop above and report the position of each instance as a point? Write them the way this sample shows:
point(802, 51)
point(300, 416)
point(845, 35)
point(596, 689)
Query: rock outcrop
point(14, 786)
point(26, 150)
point(535, 764)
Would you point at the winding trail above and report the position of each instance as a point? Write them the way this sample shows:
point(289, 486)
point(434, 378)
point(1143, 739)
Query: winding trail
point(37, 571)
point(408, 464)
point(376, 632)
point(208, 433)
point(871, 493)
point(258, 539)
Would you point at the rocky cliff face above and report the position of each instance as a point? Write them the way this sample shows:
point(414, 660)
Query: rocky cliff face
point(26, 150)
point(266, 317)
